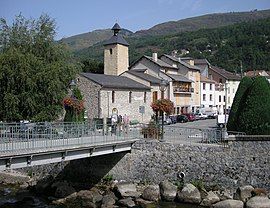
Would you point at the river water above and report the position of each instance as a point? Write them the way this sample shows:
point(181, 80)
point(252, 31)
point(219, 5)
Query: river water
point(13, 197)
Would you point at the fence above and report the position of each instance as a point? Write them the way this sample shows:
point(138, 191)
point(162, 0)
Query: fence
point(26, 136)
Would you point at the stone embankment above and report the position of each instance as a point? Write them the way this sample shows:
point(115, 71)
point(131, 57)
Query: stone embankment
point(125, 194)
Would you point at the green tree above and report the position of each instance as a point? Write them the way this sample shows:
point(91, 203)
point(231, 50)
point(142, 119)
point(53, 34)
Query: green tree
point(254, 117)
point(238, 101)
point(34, 70)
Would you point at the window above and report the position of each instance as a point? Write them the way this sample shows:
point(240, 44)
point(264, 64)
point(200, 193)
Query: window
point(224, 98)
point(220, 80)
point(154, 96)
point(129, 97)
point(229, 100)
point(228, 90)
point(111, 51)
point(233, 90)
point(210, 86)
point(203, 86)
point(204, 97)
point(211, 97)
point(113, 96)
point(219, 98)
point(144, 97)
point(178, 110)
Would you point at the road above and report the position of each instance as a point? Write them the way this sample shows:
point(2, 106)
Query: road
point(201, 124)
point(194, 133)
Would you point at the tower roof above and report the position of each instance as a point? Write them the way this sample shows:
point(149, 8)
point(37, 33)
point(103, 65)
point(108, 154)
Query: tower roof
point(116, 38)
point(116, 27)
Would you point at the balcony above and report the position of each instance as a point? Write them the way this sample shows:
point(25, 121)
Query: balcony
point(183, 90)
point(219, 87)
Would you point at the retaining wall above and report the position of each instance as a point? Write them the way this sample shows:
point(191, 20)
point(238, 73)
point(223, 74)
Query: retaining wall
point(239, 163)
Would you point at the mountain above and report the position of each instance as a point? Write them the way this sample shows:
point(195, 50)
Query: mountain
point(225, 46)
point(86, 40)
point(203, 22)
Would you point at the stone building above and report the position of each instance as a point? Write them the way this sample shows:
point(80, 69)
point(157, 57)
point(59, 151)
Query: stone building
point(107, 94)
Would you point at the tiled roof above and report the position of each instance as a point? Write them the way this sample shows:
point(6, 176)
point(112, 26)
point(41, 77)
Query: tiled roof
point(178, 77)
point(225, 74)
point(182, 62)
point(205, 79)
point(160, 62)
point(144, 76)
point(117, 82)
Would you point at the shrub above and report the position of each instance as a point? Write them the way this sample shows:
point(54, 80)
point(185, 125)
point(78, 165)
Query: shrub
point(238, 101)
point(254, 116)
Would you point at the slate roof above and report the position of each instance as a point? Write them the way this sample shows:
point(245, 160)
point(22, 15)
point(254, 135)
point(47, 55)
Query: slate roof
point(205, 79)
point(117, 82)
point(179, 78)
point(116, 39)
point(225, 74)
point(182, 62)
point(116, 27)
point(160, 62)
point(201, 62)
point(147, 77)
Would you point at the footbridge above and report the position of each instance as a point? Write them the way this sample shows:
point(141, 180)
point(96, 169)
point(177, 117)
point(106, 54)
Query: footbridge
point(25, 145)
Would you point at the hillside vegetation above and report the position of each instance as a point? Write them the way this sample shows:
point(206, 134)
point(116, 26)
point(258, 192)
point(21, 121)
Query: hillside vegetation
point(225, 46)
point(86, 40)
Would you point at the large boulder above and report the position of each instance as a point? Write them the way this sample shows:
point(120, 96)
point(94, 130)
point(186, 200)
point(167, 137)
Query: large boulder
point(189, 194)
point(258, 202)
point(210, 198)
point(151, 193)
point(143, 203)
point(168, 191)
point(62, 189)
point(229, 203)
point(243, 193)
point(127, 202)
point(108, 201)
point(125, 189)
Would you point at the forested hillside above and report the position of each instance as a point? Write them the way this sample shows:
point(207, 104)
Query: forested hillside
point(248, 42)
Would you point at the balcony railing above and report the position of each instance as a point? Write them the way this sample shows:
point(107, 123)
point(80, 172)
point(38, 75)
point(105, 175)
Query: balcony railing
point(219, 87)
point(183, 89)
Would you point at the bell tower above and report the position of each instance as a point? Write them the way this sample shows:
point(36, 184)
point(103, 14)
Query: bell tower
point(116, 53)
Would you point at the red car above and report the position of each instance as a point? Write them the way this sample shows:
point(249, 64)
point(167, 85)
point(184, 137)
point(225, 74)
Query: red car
point(190, 116)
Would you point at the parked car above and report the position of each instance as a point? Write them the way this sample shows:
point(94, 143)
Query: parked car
point(167, 120)
point(173, 119)
point(190, 116)
point(200, 116)
point(181, 119)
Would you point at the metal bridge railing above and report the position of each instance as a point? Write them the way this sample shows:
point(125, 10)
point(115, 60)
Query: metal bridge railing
point(39, 136)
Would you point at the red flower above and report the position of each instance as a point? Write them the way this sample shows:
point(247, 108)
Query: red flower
point(164, 105)
point(73, 103)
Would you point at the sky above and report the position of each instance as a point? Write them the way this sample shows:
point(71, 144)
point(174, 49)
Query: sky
point(80, 16)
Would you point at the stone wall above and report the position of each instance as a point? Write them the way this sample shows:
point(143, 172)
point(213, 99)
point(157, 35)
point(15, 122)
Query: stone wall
point(240, 163)
point(90, 92)
point(123, 106)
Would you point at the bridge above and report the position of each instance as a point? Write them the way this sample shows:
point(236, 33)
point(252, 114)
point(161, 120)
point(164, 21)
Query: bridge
point(25, 145)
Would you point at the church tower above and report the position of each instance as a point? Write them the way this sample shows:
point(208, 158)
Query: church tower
point(116, 53)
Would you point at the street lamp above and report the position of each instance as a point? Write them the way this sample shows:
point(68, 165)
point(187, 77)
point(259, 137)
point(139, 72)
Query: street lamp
point(72, 86)
point(162, 88)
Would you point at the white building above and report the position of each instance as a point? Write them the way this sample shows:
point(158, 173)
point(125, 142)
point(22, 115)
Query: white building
point(208, 93)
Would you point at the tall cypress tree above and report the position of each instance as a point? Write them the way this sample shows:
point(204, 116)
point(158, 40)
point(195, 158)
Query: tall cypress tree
point(254, 116)
point(240, 96)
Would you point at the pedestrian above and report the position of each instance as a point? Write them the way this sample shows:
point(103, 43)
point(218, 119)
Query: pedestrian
point(126, 123)
point(114, 123)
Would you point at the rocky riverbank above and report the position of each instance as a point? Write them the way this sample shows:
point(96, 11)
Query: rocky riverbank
point(110, 193)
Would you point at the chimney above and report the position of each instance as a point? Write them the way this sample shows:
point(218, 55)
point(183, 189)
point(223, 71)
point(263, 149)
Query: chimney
point(154, 56)
point(191, 62)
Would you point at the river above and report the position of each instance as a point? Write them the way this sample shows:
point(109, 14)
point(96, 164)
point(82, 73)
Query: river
point(13, 197)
